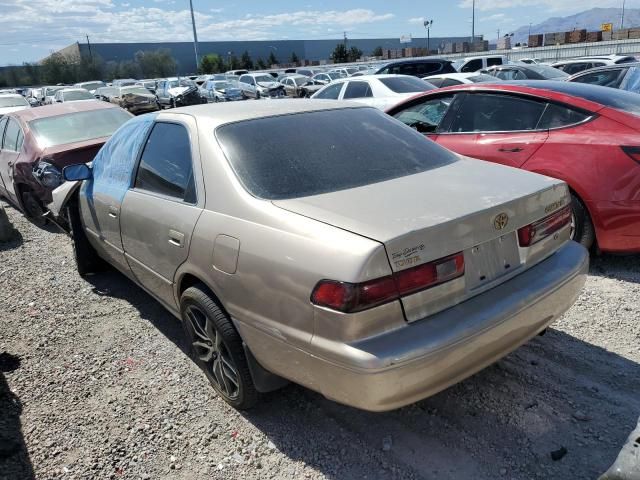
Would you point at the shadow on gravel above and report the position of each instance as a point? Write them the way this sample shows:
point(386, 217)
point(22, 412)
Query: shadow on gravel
point(556, 391)
point(12, 244)
point(14, 457)
point(619, 267)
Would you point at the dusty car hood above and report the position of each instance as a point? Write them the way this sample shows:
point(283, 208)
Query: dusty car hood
point(452, 206)
point(138, 97)
point(270, 85)
point(175, 91)
point(5, 110)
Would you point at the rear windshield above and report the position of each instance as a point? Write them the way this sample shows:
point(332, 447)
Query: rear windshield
point(548, 72)
point(325, 151)
point(13, 102)
point(406, 84)
point(78, 126)
point(77, 95)
point(92, 86)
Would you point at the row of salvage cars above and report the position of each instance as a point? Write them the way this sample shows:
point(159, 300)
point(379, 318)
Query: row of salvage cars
point(334, 245)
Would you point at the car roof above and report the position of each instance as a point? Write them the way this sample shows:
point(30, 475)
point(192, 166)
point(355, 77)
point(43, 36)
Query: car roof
point(223, 113)
point(417, 60)
point(61, 109)
point(614, 66)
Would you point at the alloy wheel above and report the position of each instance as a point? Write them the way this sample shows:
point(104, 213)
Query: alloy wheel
point(211, 351)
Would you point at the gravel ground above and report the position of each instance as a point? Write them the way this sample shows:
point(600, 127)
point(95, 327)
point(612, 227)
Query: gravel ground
point(95, 383)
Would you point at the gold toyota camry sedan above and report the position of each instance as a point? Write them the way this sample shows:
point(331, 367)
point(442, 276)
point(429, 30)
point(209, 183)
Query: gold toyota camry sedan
point(327, 244)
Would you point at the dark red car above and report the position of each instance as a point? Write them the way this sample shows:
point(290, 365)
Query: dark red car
point(36, 143)
point(586, 135)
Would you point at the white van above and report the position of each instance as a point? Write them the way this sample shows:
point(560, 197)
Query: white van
point(473, 64)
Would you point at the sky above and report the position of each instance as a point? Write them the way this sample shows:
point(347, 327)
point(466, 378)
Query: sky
point(31, 29)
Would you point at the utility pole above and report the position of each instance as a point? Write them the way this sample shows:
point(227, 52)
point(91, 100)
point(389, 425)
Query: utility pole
point(195, 35)
point(529, 30)
point(498, 34)
point(345, 40)
point(473, 22)
point(622, 18)
point(89, 46)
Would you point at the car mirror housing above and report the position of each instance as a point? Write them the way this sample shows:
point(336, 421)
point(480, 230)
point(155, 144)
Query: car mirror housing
point(78, 172)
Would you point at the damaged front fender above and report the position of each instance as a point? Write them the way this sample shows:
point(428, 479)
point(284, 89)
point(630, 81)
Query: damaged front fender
point(61, 197)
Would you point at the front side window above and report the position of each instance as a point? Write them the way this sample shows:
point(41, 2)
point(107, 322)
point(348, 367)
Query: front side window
point(326, 151)
point(358, 90)
point(165, 165)
point(11, 136)
point(3, 125)
point(472, 66)
point(632, 80)
point(496, 113)
point(491, 61)
point(331, 92)
point(426, 117)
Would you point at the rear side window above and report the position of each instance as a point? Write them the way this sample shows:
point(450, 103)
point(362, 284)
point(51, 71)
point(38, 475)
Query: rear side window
point(165, 165)
point(557, 116)
point(325, 151)
point(496, 113)
point(332, 92)
point(406, 84)
point(472, 66)
point(11, 136)
point(425, 117)
point(607, 78)
point(494, 61)
point(358, 90)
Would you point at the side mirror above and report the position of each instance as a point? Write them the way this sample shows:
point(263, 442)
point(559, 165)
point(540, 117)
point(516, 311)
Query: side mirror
point(78, 172)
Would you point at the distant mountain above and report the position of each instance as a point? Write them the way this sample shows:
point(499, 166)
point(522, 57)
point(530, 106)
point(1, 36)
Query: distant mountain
point(590, 19)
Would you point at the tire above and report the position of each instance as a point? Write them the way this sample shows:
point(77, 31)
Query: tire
point(173, 103)
point(32, 208)
point(583, 231)
point(87, 259)
point(216, 347)
point(257, 95)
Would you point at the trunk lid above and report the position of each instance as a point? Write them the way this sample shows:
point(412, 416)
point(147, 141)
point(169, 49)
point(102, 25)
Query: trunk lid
point(447, 210)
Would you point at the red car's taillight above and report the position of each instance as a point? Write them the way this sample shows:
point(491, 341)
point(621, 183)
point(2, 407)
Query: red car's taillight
point(355, 297)
point(633, 152)
point(541, 229)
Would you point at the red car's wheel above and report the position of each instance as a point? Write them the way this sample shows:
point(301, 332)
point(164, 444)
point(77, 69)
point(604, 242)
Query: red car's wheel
point(582, 230)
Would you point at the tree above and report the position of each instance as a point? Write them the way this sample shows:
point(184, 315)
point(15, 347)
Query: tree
point(377, 52)
point(156, 63)
point(234, 63)
point(245, 61)
point(340, 54)
point(354, 54)
point(272, 60)
point(294, 58)
point(260, 64)
point(211, 63)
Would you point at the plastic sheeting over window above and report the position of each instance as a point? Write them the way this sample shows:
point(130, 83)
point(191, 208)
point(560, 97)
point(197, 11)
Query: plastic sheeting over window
point(113, 165)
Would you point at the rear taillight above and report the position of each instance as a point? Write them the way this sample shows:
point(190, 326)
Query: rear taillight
point(533, 233)
point(355, 297)
point(633, 152)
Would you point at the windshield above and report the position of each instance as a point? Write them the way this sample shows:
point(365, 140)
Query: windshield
point(547, 71)
point(301, 80)
point(406, 84)
point(72, 95)
point(483, 77)
point(334, 75)
point(325, 151)
point(264, 78)
point(92, 85)
point(184, 82)
point(50, 91)
point(17, 101)
point(78, 126)
point(222, 85)
point(137, 90)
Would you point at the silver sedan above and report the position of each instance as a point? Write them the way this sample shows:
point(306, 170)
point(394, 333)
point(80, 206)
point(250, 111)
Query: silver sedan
point(327, 244)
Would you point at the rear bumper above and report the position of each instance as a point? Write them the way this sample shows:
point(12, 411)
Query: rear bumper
point(424, 357)
point(617, 225)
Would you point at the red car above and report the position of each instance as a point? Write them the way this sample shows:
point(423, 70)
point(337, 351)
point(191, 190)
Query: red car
point(37, 143)
point(586, 135)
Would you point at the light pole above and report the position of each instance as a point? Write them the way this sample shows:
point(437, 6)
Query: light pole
point(622, 18)
point(195, 35)
point(473, 22)
point(427, 24)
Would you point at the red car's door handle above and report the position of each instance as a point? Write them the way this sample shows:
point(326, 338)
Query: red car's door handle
point(511, 150)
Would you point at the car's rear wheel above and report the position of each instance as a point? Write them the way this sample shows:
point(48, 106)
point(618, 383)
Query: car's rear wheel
point(87, 259)
point(217, 347)
point(582, 230)
point(32, 208)
point(257, 95)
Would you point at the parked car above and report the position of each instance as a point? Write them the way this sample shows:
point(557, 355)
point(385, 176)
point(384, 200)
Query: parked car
point(451, 79)
point(236, 72)
point(585, 63)
point(203, 79)
point(178, 92)
point(135, 99)
point(583, 134)
point(351, 255)
point(260, 85)
point(325, 78)
point(473, 64)
point(90, 86)
point(624, 76)
point(48, 93)
point(34, 97)
point(123, 82)
point(308, 72)
point(531, 61)
point(12, 102)
point(150, 85)
point(526, 72)
point(39, 142)
point(300, 86)
point(380, 91)
point(344, 72)
point(222, 91)
point(418, 68)
point(72, 95)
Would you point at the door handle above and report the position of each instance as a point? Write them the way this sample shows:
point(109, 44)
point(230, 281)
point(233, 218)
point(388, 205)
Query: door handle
point(176, 238)
point(511, 150)
point(113, 211)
